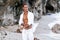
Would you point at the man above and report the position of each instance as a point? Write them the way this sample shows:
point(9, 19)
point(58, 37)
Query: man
point(26, 23)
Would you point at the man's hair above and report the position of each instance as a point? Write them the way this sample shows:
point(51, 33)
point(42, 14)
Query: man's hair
point(24, 3)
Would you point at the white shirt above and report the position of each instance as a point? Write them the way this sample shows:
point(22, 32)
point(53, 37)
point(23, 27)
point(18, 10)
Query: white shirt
point(30, 18)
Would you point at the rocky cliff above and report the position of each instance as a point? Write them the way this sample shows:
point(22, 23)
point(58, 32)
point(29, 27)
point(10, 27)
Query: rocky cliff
point(10, 10)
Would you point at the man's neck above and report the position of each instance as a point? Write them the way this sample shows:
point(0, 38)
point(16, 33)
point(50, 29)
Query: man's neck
point(26, 12)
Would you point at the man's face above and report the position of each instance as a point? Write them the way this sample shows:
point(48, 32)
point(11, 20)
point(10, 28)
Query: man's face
point(25, 8)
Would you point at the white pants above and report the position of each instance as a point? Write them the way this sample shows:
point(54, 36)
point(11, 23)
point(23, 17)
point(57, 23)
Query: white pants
point(27, 34)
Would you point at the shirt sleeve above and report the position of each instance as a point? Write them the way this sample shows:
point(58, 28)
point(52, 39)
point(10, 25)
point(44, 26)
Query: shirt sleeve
point(31, 19)
point(20, 20)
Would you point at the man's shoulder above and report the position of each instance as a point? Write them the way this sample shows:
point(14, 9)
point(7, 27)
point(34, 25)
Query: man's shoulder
point(30, 13)
point(21, 14)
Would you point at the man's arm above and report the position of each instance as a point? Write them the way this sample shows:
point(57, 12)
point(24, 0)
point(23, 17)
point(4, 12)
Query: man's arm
point(20, 22)
point(31, 19)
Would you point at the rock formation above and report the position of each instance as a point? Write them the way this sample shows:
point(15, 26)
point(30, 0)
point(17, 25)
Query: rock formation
point(38, 7)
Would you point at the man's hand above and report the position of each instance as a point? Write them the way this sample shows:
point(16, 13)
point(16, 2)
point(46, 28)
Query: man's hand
point(27, 26)
point(21, 27)
point(24, 25)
